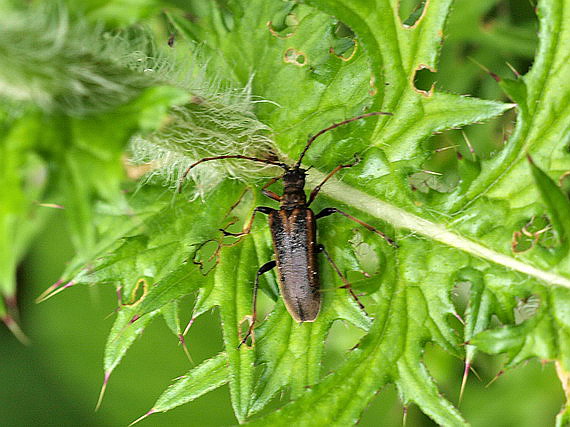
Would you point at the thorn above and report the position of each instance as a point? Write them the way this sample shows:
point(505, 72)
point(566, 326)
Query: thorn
point(51, 205)
point(102, 392)
point(464, 381)
point(47, 295)
point(188, 326)
point(68, 285)
point(495, 76)
point(530, 160)
point(431, 172)
point(404, 416)
point(152, 411)
point(13, 326)
point(468, 142)
point(185, 348)
point(119, 296)
point(475, 373)
point(515, 72)
point(44, 294)
point(501, 372)
point(135, 318)
point(458, 317)
point(449, 147)
point(11, 302)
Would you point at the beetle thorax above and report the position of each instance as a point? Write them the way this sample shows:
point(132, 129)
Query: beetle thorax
point(293, 189)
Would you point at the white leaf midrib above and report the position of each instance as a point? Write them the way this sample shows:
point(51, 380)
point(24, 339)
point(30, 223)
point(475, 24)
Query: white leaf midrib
point(400, 218)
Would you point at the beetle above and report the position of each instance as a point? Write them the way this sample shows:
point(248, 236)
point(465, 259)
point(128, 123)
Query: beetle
point(294, 234)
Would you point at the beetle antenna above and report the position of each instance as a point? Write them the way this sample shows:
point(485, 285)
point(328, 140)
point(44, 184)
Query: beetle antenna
point(333, 126)
point(233, 156)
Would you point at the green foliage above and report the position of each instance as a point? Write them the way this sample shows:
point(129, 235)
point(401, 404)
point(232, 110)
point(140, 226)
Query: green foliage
point(500, 230)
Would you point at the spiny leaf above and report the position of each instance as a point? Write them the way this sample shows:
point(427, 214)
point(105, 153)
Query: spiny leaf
point(207, 376)
point(471, 229)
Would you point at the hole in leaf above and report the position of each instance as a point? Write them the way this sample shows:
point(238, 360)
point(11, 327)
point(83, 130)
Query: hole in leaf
point(424, 181)
point(365, 253)
point(410, 11)
point(424, 80)
point(284, 23)
point(521, 243)
point(139, 290)
point(537, 230)
point(343, 44)
point(526, 308)
point(295, 57)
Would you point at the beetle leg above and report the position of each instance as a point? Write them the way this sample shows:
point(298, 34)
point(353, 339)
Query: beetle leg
point(263, 209)
point(329, 176)
point(270, 193)
point(330, 211)
point(347, 285)
point(268, 266)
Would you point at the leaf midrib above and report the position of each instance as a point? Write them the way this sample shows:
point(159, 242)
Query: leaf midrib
point(401, 218)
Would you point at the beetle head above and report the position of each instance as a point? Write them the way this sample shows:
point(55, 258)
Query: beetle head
point(294, 177)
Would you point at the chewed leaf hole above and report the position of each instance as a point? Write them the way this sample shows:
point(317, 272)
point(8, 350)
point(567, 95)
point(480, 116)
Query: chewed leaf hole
point(427, 180)
point(295, 57)
point(285, 29)
point(410, 11)
point(537, 230)
point(424, 80)
point(344, 44)
point(139, 291)
point(526, 308)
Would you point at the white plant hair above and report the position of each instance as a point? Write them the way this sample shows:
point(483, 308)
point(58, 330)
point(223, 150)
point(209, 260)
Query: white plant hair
point(61, 63)
point(219, 120)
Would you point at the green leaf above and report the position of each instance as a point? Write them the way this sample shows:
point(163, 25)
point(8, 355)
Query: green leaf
point(314, 64)
point(207, 376)
point(235, 306)
point(557, 203)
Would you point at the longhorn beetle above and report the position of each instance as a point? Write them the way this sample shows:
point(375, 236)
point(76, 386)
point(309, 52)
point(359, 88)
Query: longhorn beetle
point(293, 228)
